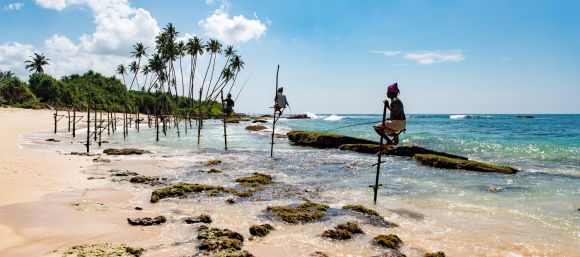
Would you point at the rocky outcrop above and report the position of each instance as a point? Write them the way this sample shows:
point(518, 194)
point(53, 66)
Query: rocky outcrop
point(204, 218)
point(298, 116)
point(261, 230)
point(302, 213)
point(104, 249)
point(437, 254)
point(343, 231)
point(454, 163)
point(323, 140)
point(147, 221)
point(221, 242)
point(256, 127)
point(388, 241)
point(183, 189)
point(406, 150)
point(125, 151)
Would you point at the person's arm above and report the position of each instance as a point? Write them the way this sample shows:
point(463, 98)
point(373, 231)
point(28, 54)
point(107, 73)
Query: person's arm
point(387, 104)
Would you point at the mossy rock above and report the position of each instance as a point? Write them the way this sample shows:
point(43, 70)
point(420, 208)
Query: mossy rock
point(319, 254)
point(244, 193)
point(261, 230)
point(361, 209)
point(104, 249)
point(256, 127)
point(125, 151)
point(231, 201)
point(406, 150)
point(451, 163)
point(203, 218)
point(343, 231)
point(388, 241)
point(145, 180)
point(437, 254)
point(221, 242)
point(255, 180)
point(337, 234)
point(234, 119)
point(213, 162)
point(305, 212)
point(324, 140)
point(182, 189)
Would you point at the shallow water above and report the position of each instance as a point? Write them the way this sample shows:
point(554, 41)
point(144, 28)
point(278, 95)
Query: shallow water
point(532, 213)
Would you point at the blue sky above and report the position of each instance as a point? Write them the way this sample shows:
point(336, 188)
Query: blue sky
point(493, 56)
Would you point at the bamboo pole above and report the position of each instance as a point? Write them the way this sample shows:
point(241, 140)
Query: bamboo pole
point(380, 154)
point(274, 121)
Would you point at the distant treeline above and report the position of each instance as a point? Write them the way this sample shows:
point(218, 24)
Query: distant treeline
point(107, 94)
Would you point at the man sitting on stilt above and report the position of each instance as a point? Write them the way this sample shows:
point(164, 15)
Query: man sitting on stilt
point(229, 109)
point(394, 125)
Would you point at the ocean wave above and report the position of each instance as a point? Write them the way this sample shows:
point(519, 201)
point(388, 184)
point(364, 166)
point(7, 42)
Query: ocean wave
point(334, 117)
point(312, 115)
point(468, 116)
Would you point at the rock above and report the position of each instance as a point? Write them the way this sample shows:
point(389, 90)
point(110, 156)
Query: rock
point(343, 231)
point(525, 116)
point(52, 140)
point(234, 119)
point(323, 140)
point(211, 171)
point(183, 189)
point(245, 193)
point(104, 249)
point(125, 151)
point(305, 212)
point(388, 241)
point(256, 180)
point(319, 254)
point(298, 116)
point(437, 254)
point(145, 180)
point(101, 160)
point(452, 163)
point(147, 221)
point(338, 234)
point(221, 242)
point(259, 121)
point(213, 162)
point(256, 127)
point(261, 230)
point(407, 150)
point(361, 209)
point(204, 218)
point(126, 173)
point(138, 208)
point(91, 178)
point(392, 253)
point(230, 201)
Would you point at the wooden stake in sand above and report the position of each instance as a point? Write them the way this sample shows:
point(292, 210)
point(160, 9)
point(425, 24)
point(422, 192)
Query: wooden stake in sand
point(274, 120)
point(89, 120)
point(376, 187)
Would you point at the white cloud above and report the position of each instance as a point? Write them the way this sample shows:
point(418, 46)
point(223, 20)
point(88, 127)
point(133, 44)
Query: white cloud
point(13, 55)
point(426, 57)
point(13, 6)
point(52, 4)
point(237, 29)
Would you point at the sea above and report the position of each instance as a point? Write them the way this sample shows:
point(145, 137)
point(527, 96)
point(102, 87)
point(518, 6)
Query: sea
point(463, 213)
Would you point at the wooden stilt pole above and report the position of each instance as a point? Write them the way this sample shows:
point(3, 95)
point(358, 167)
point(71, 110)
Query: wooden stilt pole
point(274, 120)
point(380, 154)
point(100, 126)
point(55, 118)
point(89, 120)
point(74, 128)
point(95, 120)
point(108, 122)
point(225, 127)
point(68, 115)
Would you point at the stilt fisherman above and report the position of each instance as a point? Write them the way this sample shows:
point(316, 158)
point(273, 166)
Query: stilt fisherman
point(397, 122)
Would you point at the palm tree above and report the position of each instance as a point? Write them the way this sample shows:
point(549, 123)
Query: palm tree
point(139, 51)
point(36, 62)
point(236, 66)
point(134, 68)
point(212, 47)
point(122, 71)
point(181, 51)
point(229, 51)
point(194, 49)
point(215, 48)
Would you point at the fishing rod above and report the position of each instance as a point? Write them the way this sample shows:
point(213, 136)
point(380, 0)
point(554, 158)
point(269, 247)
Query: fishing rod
point(352, 125)
point(243, 87)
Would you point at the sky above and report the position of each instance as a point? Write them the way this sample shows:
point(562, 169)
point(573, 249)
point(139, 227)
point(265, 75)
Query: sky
point(335, 57)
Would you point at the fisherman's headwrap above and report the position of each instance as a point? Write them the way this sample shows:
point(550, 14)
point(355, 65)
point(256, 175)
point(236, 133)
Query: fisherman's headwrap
point(280, 90)
point(394, 88)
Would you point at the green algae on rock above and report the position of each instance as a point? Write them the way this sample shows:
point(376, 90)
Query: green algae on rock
point(145, 180)
point(104, 249)
point(213, 162)
point(261, 230)
point(388, 241)
point(406, 150)
point(258, 120)
point(221, 242)
point(203, 218)
point(256, 127)
point(361, 209)
point(343, 231)
point(452, 163)
point(323, 140)
point(255, 180)
point(125, 151)
point(230, 201)
point(305, 212)
point(437, 254)
point(183, 189)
